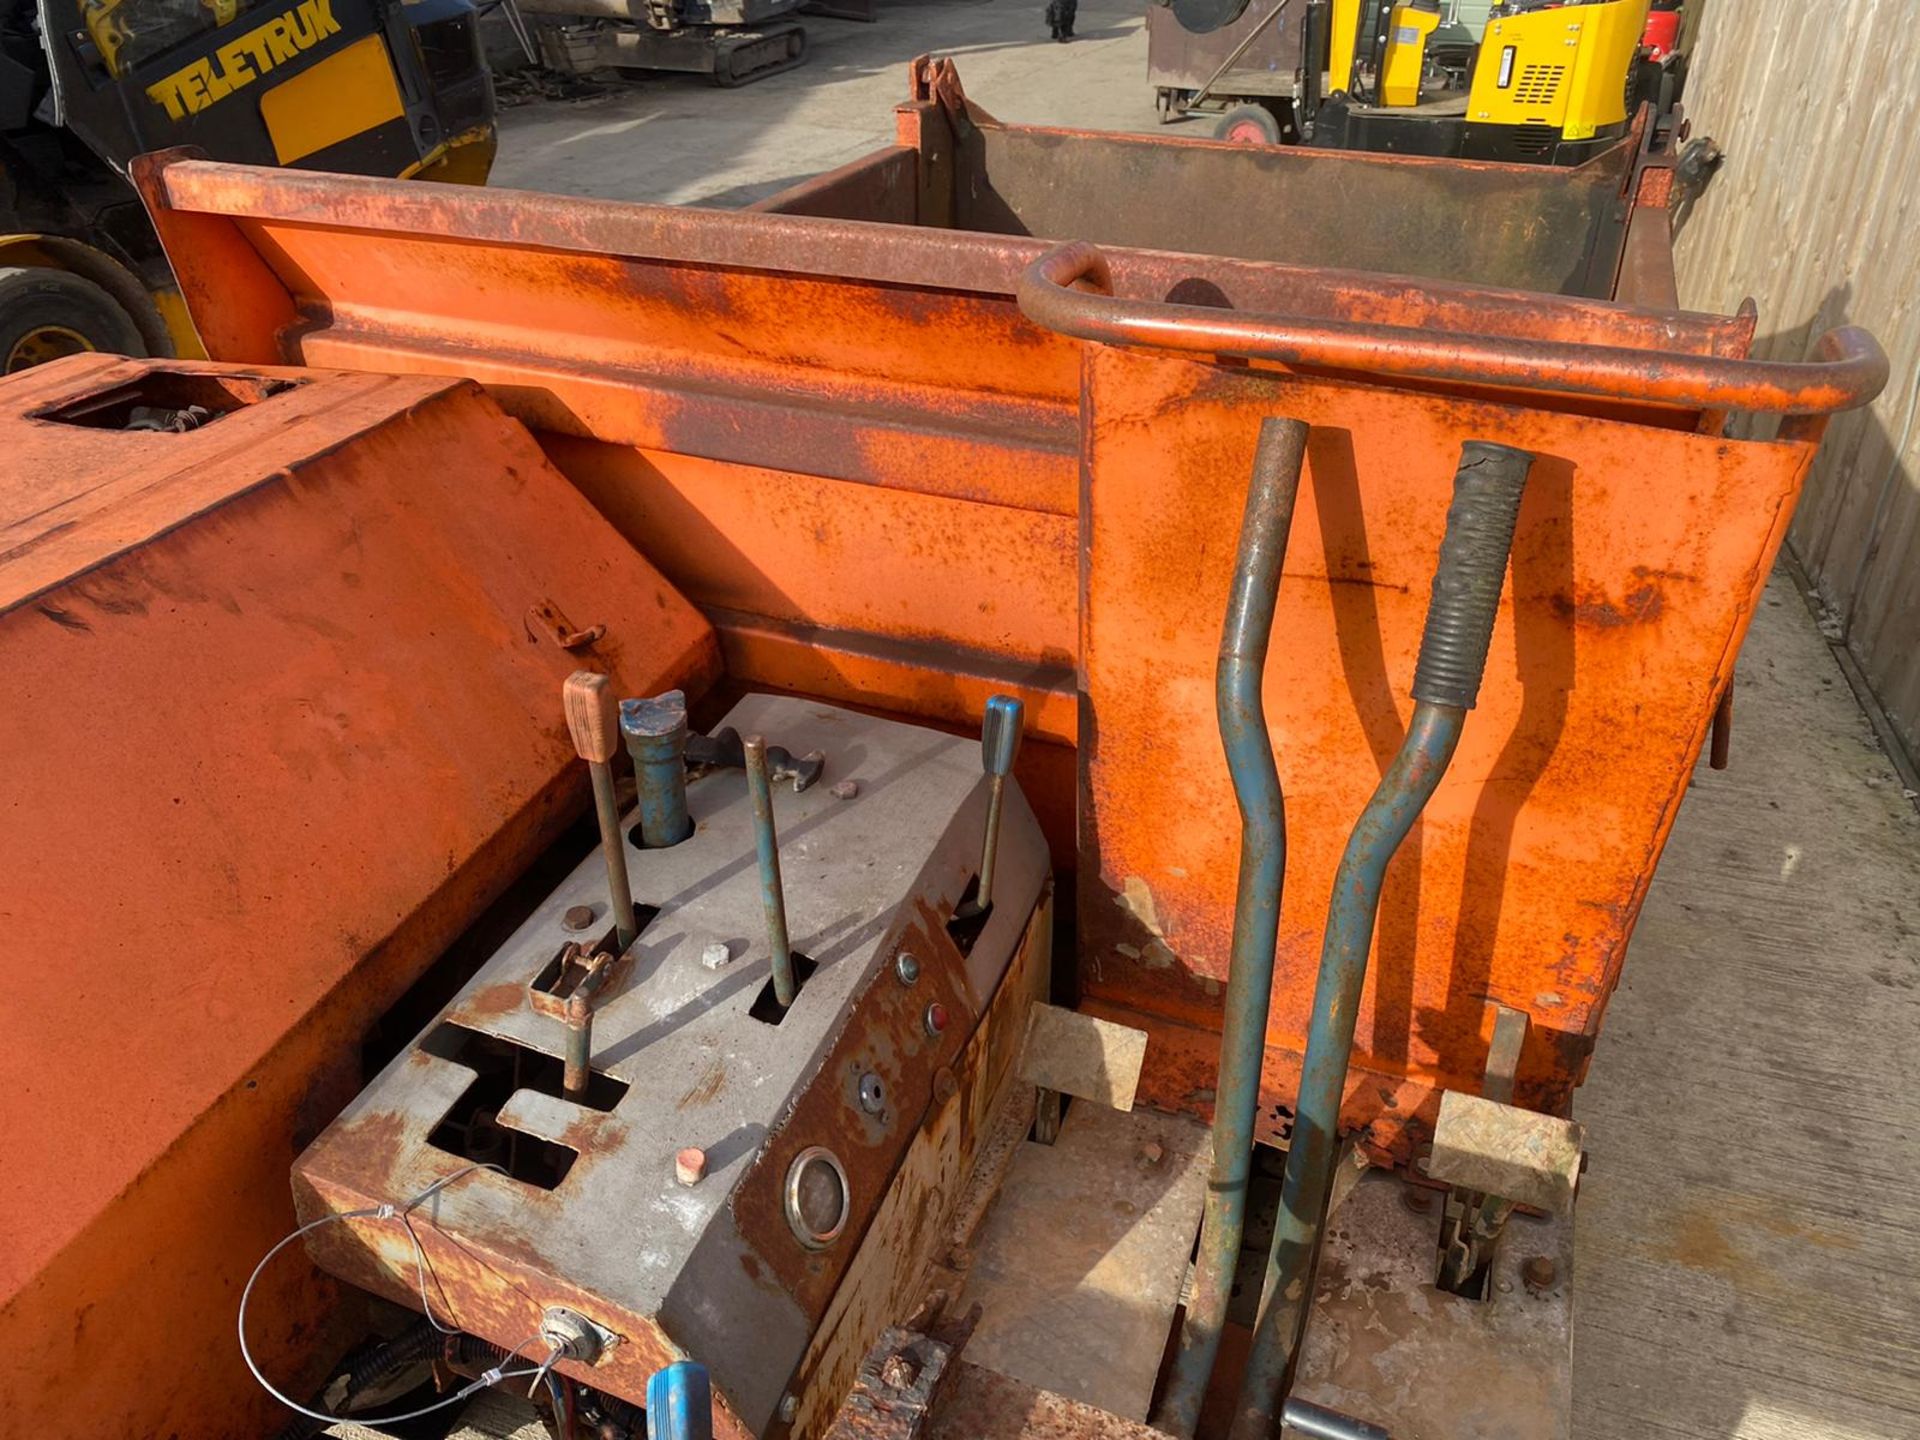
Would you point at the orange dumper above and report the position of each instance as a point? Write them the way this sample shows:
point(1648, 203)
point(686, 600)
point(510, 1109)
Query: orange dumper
point(287, 632)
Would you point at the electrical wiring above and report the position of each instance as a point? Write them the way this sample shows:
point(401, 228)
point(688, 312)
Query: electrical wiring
point(401, 1213)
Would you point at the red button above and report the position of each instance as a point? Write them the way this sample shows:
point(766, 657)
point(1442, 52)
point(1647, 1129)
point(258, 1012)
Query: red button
point(936, 1018)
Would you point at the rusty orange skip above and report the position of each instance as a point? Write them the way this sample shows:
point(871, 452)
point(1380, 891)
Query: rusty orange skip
point(883, 482)
point(835, 457)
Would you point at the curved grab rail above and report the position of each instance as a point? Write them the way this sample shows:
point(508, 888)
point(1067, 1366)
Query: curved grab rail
point(1070, 290)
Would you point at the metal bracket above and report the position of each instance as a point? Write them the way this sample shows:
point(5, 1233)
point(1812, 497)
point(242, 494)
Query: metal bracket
point(727, 751)
point(557, 628)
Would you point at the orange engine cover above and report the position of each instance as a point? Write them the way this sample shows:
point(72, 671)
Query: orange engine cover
point(283, 717)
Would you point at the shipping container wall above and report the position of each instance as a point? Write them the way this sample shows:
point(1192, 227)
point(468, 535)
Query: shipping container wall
point(1816, 215)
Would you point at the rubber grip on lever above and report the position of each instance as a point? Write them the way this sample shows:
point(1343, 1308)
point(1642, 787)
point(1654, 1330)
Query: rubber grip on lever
point(593, 718)
point(1473, 567)
point(680, 1402)
point(1000, 733)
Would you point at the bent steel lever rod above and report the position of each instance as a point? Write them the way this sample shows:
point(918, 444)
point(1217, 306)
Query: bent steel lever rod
point(1453, 656)
point(1256, 911)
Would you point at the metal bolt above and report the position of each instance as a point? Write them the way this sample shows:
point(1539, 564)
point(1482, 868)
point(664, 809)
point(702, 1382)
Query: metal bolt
point(1540, 1274)
point(578, 917)
point(899, 1372)
point(873, 1094)
point(907, 968)
point(716, 955)
point(789, 1409)
point(845, 790)
point(690, 1165)
point(936, 1018)
point(1151, 1154)
point(1417, 1198)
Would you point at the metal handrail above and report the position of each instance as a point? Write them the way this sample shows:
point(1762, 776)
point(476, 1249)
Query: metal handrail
point(1070, 290)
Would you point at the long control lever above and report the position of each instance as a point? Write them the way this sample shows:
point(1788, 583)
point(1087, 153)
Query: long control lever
point(593, 719)
point(772, 894)
point(1472, 570)
point(999, 744)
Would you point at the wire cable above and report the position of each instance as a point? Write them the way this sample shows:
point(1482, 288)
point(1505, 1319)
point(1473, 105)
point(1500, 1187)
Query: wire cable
point(421, 1266)
point(401, 1213)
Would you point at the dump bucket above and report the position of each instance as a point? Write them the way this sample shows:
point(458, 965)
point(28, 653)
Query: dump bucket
point(906, 467)
point(1599, 229)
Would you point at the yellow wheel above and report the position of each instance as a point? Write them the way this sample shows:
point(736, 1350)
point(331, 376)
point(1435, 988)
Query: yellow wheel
point(43, 343)
point(49, 314)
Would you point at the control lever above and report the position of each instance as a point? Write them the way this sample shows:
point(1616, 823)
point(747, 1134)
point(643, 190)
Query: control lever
point(726, 752)
point(593, 719)
point(772, 895)
point(570, 1000)
point(656, 733)
point(1317, 1422)
point(680, 1402)
point(999, 744)
point(1471, 571)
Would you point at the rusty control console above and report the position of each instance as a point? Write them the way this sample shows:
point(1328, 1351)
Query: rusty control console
point(798, 1117)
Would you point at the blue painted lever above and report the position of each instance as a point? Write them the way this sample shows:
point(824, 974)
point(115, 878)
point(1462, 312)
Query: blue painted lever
point(680, 1403)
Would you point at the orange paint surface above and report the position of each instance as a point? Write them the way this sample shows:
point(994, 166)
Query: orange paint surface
point(1639, 555)
point(846, 443)
point(280, 725)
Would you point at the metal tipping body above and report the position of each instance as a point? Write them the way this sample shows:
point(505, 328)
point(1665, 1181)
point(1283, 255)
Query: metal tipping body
point(881, 483)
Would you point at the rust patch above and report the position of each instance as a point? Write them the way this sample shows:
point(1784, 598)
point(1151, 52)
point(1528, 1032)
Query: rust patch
point(493, 1002)
point(710, 1084)
point(373, 1140)
point(1696, 1240)
point(1642, 605)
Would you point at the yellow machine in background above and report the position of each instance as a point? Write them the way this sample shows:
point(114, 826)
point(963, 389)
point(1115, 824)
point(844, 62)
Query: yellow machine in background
point(1562, 69)
point(364, 87)
point(1408, 26)
point(1549, 81)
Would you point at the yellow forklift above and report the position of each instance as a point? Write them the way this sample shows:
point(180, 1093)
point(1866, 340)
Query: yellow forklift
point(373, 87)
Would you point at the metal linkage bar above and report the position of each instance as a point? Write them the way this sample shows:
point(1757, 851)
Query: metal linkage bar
point(771, 892)
point(1256, 913)
point(1453, 655)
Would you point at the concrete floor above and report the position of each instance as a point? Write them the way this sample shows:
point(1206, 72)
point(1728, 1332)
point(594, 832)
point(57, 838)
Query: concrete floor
point(680, 140)
point(1748, 1245)
point(1749, 1232)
